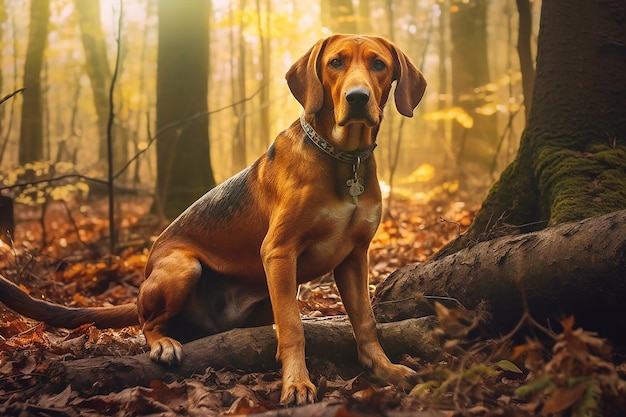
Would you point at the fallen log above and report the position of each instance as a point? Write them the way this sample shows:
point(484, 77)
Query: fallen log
point(249, 349)
point(569, 269)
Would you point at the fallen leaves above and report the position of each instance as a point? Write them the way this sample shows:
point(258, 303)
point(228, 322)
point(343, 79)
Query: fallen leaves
point(578, 377)
point(473, 377)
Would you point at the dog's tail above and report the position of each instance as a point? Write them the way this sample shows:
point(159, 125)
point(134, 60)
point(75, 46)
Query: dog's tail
point(67, 317)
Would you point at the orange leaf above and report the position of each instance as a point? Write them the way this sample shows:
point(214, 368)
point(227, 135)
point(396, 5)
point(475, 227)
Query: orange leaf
point(563, 397)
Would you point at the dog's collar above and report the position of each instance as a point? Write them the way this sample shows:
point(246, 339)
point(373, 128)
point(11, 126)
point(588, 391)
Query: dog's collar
point(349, 157)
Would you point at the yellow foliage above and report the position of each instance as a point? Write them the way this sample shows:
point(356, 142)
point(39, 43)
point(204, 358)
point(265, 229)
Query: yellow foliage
point(451, 113)
point(423, 173)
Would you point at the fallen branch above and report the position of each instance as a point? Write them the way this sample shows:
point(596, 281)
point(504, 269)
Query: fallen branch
point(575, 268)
point(250, 349)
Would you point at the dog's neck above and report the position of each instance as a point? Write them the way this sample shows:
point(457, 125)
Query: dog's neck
point(350, 155)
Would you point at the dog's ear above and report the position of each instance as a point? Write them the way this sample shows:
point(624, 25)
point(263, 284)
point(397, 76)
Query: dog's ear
point(410, 85)
point(304, 81)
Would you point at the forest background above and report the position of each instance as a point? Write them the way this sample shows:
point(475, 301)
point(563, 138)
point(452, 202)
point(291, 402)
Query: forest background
point(466, 129)
point(139, 107)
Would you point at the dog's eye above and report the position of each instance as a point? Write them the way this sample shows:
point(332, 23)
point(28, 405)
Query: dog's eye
point(336, 63)
point(378, 65)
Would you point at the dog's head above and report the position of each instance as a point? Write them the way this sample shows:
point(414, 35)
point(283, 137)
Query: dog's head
point(353, 74)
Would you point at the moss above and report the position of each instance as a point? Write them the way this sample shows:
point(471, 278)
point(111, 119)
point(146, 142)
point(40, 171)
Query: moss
point(577, 184)
point(553, 179)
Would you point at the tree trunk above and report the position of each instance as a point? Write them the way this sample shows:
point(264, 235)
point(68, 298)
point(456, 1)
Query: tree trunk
point(265, 61)
point(183, 162)
point(338, 16)
point(3, 19)
point(364, 18)
point(571, 163)
point(238, 84)
point(470, 72)
point(252, 350)
point(524, 52)
point(96, 65)
point(573, 268)
point(31, 128)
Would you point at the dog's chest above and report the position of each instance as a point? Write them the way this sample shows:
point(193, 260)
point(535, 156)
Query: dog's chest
point(336, 230)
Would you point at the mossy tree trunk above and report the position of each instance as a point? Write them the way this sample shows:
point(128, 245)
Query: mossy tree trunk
point(571, 163)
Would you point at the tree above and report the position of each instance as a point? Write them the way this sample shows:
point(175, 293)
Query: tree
point(571, 165)
point(3, 19)
point(31, 127)
point(524, 51)
point(338, 16)
point(238, 87)
point(470, 71)
point(183, 161)
point(96, 64)
point(265, 68)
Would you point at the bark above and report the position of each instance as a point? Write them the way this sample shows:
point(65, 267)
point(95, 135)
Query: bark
point(31, 125)
point(573, 268)
point(251, 350)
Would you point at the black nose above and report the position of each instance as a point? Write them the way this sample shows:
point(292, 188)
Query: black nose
point(358, 96)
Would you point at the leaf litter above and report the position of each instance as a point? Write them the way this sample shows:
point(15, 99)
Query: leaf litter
point(473, 377)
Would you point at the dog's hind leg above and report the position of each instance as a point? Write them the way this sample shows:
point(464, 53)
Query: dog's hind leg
point(170, 278)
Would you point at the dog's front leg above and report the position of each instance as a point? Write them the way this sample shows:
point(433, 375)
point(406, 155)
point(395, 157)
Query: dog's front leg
point(352, 281)
point(280, 270)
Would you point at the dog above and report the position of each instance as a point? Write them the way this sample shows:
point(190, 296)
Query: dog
point(307, 207)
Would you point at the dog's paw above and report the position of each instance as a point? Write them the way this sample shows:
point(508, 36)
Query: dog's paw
point(402, 376)
point(299, 393)
point(167, 351)
point(394, 374)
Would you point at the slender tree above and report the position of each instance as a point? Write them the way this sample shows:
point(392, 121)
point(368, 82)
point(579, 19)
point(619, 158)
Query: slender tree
point(96, 65)
point(3, 19)
point(238, 87)
point(265, 37)
point(183, 161)
point(31, 125)
point(525, 53)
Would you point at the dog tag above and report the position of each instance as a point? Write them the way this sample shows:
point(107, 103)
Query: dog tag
point(356, 188)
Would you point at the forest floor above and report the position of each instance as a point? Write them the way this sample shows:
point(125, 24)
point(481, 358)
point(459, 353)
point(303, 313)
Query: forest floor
point(472, 376)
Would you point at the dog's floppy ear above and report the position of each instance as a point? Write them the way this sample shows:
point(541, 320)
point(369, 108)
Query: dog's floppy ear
point(304, 81)
point(410, 84)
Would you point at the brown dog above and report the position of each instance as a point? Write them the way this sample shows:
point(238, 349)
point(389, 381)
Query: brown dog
point(307, 207)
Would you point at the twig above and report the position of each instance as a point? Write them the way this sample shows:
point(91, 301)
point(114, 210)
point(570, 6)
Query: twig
point(111, 176)
point(53, 179)
point(183, 122)
point(73, 222)
point(458, 225)
point(8, 96)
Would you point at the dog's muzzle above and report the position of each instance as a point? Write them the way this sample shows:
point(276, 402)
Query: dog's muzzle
point(358, 100)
